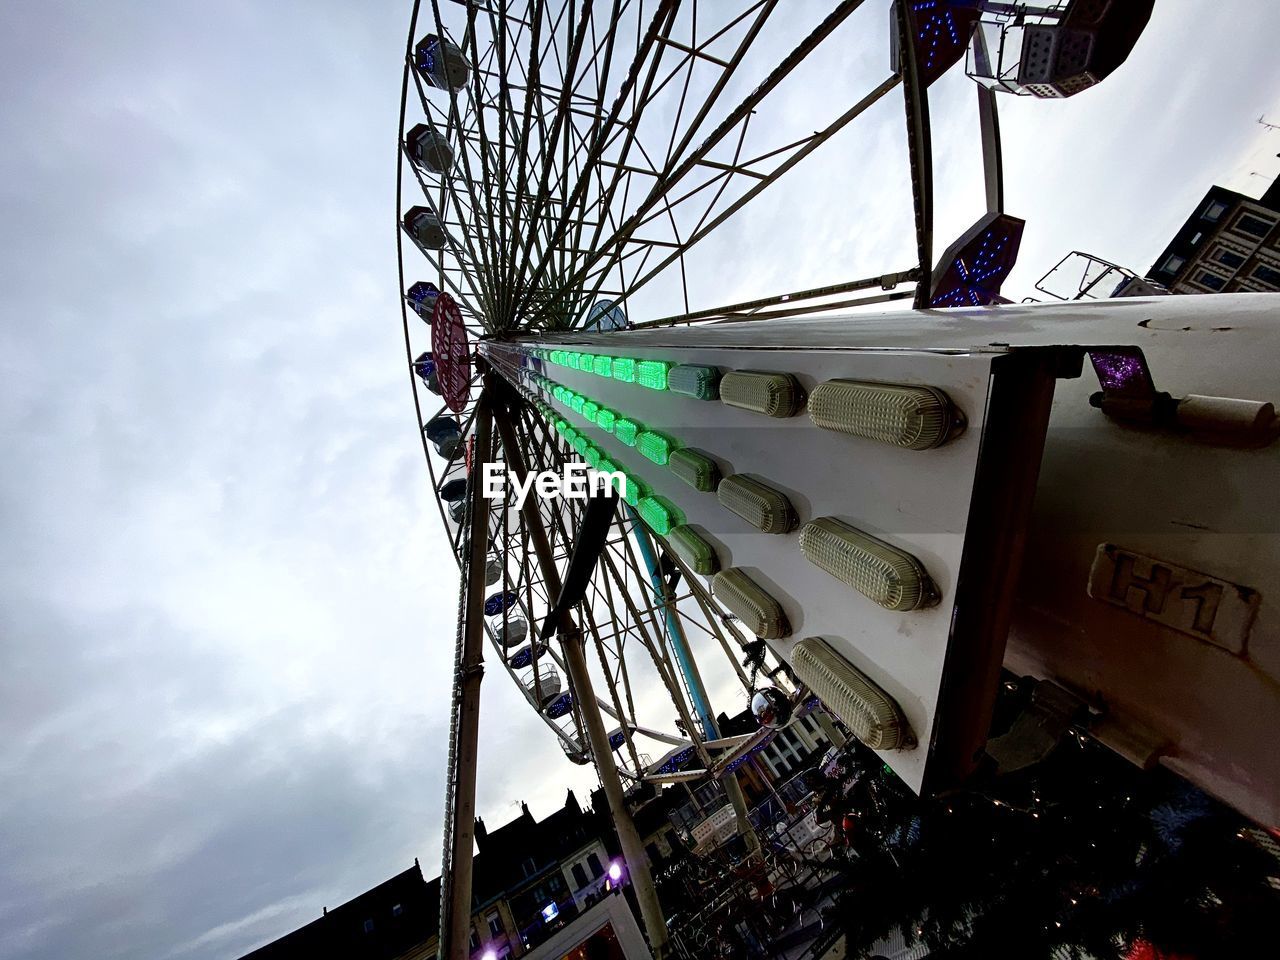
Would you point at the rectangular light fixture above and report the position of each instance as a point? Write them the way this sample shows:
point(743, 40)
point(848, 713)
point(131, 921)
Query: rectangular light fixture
point(693, 550)
point(765, 508)
point(608, 466)
point(773, 394)
point(660, 514)
point(626, 431)
point(602, 366)
point(701, 383)
point(695, 469)
point(590, 409)
point(652, 373)
point(872, 715)
point(606, 419)
point(637, 490)
point(758, 611)
point(655, 446)
point(624, 369)
point(901, 415)
point(880, 571)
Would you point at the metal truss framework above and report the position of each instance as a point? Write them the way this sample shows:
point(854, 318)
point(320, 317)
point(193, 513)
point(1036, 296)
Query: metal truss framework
point(594, 145)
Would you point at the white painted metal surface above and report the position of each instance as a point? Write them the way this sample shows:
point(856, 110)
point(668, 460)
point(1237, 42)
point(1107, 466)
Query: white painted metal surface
point(1206, 707)
point(917, 500)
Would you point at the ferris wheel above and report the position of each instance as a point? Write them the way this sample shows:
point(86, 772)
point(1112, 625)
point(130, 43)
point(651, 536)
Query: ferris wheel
point(561, 165)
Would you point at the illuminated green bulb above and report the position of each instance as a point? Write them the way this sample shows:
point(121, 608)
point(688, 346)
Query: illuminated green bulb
point(592, 455)
point(660, 514)
point(626, 431)
point(655, 446)
point(607, 466)
point(602, 366)
point(577, 402)
point(636, 491)
point(624, 369)
point(652, 374)
point(585, 361)
point(606, 419)
point(591, 410)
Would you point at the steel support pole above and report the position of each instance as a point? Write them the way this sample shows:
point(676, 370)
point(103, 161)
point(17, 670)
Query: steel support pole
point(992, 153)
point(576, 663)
point(693, 680)
point(919, 151)
point(455, 908)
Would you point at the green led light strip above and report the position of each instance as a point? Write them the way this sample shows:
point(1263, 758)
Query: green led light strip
point(664, 518)
point(698, 382)
point(659, 514)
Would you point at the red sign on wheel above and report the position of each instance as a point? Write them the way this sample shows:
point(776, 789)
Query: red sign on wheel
point(452, 352)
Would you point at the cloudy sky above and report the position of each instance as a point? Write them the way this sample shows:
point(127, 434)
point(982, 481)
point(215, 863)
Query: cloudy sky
point(225, 617)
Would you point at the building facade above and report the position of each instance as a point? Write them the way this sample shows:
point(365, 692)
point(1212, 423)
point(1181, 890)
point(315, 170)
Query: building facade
point(530, 880)
point(1229, 244)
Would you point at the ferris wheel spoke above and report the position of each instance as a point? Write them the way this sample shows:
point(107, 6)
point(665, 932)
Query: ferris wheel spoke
point(690, 161)
point(490, 242)
point(506, 134)
point(661, 664)
point(660, 22)
point(562, 118)
point(531, 96)
point(810, 145)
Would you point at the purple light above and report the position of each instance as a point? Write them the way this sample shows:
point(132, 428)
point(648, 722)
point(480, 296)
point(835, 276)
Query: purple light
point(940, 35)
point(1121, 371)
point(615, 871)
point(489, 955)
point(973, 268)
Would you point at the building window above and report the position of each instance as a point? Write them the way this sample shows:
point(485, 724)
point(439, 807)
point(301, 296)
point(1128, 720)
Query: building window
point(1172, 263)
point(528, 867)
point(474, 942)
point(1267, 275)
point(593, 864)
point(368, 925)
point(1228, 258)
point(495, 924)
point(1214, 210)
point(1254, 226)
point(579, 877)
point(1211, 280)
point(1197, 238)
point(652, 850)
